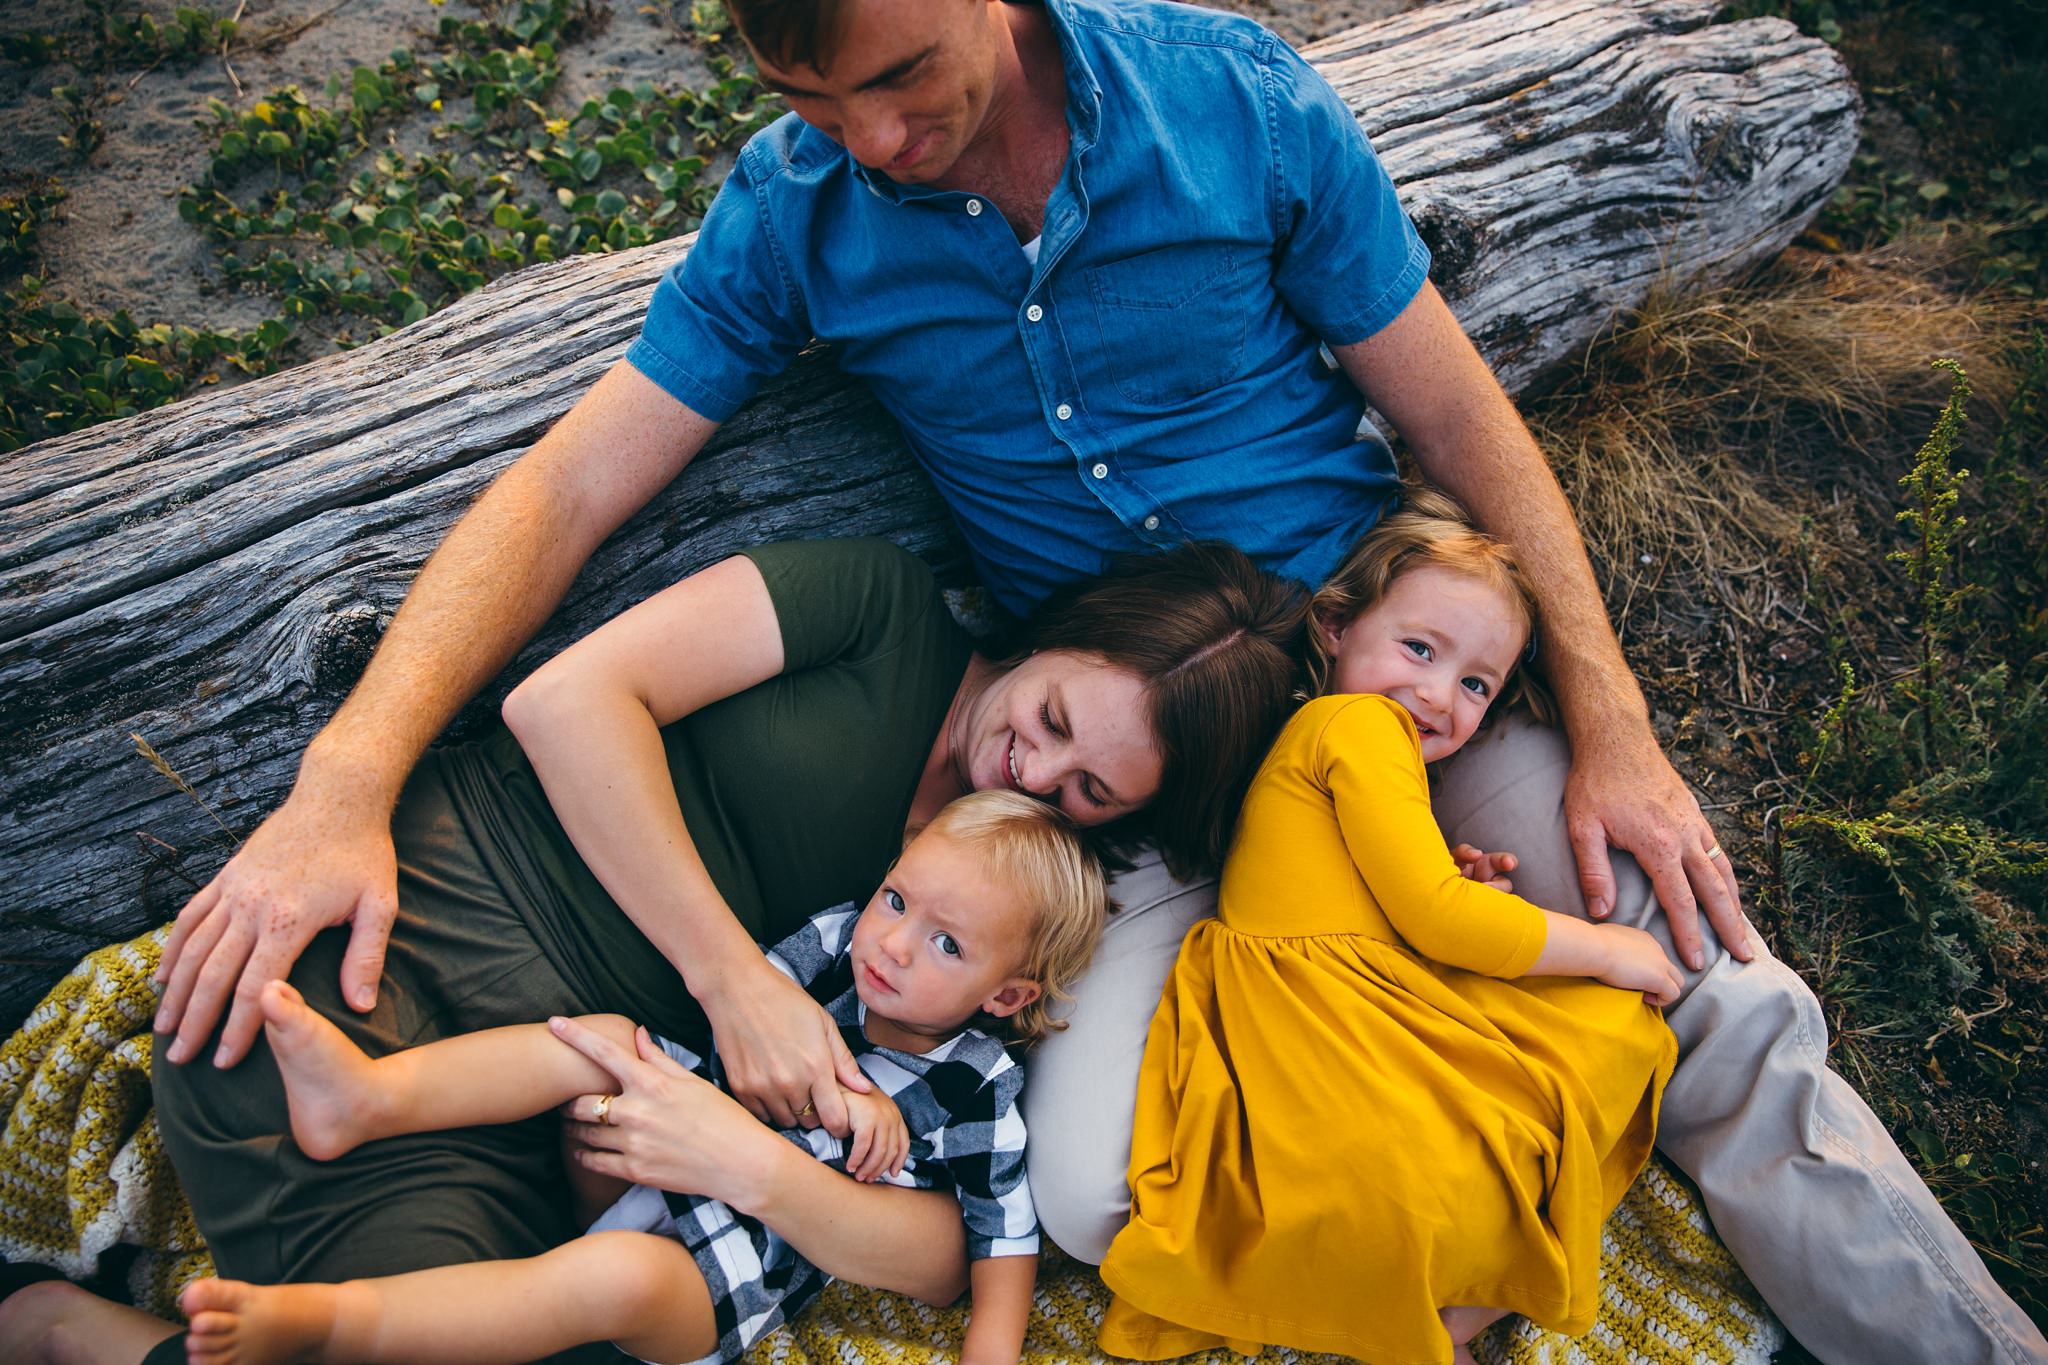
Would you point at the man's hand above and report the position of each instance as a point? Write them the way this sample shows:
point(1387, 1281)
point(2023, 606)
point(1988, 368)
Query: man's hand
point(880, 1141)
point(1491, 868)
point(1627, 795)
point(315, 863)
point(784, 1059)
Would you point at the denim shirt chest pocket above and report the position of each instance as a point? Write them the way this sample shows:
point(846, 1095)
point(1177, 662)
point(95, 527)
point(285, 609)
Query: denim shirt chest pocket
point(1173, 321)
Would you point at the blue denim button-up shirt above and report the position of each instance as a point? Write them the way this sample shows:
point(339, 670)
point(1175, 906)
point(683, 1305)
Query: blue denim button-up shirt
point(1156, 376)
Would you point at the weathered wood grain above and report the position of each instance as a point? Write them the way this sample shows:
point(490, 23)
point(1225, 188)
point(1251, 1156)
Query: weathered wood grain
point(214, 574)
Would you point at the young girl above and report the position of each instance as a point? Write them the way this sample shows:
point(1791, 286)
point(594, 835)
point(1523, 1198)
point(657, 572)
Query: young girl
point(985, 918)
point(1355, 1132)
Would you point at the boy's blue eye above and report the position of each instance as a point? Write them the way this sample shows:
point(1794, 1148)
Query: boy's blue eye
point(1476, 686)
point(1418, 648)
point(948, 945)
point(893, 899)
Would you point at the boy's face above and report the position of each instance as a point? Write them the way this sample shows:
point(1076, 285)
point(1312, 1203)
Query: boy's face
point(938, 942)
point(1440, 643)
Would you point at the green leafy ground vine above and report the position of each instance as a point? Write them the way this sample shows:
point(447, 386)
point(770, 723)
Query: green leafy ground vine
point(323, 203)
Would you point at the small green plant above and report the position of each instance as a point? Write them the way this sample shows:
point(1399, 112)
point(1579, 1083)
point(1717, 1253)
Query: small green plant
point(1913, 866)
point(80, 105)
point(24, 208)
point(61, 370)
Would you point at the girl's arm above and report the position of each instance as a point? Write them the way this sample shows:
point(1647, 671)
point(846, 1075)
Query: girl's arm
point(590, 722)
point(1368, 755)
point(1002, 1307)
point(1618, 954)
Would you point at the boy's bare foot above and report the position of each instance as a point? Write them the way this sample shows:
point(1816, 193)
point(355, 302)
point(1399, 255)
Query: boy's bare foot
point(247, 1324)
point(330, 1086)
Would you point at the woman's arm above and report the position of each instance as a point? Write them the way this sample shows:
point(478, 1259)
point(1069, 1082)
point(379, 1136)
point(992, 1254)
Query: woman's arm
point(590, 722)
point(675, 1131)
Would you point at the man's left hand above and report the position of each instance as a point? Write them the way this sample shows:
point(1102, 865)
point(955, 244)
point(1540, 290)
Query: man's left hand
point(1628, 795)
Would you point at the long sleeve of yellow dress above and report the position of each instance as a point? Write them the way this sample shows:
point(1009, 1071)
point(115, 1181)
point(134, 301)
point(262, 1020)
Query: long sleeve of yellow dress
point(1368, 757)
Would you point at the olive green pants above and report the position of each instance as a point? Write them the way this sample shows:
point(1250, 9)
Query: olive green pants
point(460, 959)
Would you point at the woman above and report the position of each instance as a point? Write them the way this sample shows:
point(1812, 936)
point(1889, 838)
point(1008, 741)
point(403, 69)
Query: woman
point(736, 753)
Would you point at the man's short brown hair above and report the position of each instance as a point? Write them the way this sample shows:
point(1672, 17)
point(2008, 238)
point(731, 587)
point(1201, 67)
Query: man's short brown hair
point(792, 33)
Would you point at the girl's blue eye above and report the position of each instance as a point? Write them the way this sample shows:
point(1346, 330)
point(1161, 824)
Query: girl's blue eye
point(894, 900)
point(1476, 686)
point(948, 945)
point(1416, 647)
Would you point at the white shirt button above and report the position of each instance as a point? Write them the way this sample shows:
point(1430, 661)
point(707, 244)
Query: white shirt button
point(1100, 471)
point(1063, 412)
point(1152, 523)
point(974, 208)
point(1034, 313)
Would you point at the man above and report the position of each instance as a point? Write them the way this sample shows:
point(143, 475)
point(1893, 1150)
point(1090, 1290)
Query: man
point(1089, 255)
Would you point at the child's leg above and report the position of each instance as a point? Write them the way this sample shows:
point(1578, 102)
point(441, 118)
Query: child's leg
point(340, 1098)
point(641, 1291)
point(1464, 1322)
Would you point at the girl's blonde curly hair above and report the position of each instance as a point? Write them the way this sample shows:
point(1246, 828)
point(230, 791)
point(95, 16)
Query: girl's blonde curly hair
point(1431, 528)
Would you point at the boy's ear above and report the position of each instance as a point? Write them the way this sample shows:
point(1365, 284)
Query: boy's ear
point(1015, 995)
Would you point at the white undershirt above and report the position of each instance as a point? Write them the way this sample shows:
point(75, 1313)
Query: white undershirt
point(1031, 250)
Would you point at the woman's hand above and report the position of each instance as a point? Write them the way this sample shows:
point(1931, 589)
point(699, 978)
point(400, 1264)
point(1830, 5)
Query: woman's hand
point(783, 1056)
point(1637, 962)
point(1491, 868)
point(666, 1127)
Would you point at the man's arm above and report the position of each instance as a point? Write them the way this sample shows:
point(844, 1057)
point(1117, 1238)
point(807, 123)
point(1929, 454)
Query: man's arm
point(325, 857)
point(1424, 374)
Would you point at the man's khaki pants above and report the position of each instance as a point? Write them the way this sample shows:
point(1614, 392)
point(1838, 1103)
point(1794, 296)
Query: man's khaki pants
point(1818, 1204)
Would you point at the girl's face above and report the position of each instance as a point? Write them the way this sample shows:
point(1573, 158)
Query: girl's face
point(1440, 643)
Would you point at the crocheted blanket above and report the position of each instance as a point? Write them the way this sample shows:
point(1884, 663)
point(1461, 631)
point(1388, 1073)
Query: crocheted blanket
point(82, 1171)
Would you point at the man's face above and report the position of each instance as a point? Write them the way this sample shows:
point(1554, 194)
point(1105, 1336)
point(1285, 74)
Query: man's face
point(908, 88)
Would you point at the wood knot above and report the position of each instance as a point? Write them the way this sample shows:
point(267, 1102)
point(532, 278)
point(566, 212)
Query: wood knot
point(1454, 243)
point(1722, 146)
point(343, 643)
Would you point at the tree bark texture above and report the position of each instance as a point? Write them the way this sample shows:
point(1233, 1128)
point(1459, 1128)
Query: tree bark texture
point(213, 575)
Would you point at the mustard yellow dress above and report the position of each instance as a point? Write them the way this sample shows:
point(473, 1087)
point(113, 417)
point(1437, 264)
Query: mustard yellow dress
point(1346, 1120)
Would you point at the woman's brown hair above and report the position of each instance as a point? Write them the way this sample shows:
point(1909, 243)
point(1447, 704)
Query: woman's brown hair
point(1431, 528)
point(1216, 642)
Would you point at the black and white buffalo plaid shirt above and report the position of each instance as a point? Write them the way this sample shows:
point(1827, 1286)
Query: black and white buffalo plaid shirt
point(959, 1101)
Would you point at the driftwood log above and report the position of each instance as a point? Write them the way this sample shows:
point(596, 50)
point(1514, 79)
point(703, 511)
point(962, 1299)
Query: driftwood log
point(213, 575)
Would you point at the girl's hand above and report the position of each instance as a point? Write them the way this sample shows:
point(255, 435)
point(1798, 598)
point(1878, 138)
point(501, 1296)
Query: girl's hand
point(784, 1059)
point(880, 1141)
point(1637, 962)
point(1491, 868)
point(666, 1127)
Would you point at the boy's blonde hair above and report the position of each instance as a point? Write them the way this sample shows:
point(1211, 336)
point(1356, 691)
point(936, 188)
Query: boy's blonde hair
point(1430, 528)
point(1034, 848)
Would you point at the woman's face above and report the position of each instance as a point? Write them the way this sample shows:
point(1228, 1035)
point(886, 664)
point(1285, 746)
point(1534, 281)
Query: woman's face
point(1067, 728)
